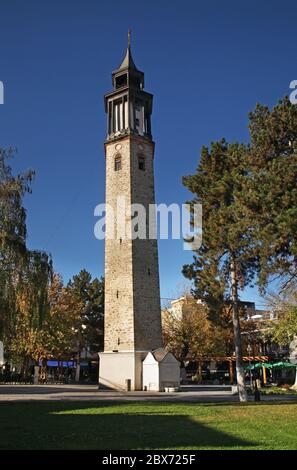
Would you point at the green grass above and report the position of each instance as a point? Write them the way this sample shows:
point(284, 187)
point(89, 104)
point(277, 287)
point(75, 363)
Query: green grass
point(147, 425)
point(277, 391)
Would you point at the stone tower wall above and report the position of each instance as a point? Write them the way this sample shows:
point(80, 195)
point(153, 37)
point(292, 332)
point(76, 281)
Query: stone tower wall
point(132, 293)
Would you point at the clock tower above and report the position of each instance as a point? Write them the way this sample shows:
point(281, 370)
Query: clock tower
point(132, 325)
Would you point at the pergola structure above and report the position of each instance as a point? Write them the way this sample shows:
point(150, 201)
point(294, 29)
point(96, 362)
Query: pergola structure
point(230, 360)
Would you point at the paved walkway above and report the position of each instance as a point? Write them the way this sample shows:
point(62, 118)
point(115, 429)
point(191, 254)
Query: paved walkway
point(14, 393)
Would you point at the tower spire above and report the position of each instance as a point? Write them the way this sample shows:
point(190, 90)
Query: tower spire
point(128, 60)
point(129, 38)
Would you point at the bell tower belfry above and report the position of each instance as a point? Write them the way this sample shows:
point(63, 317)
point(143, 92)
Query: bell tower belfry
point(132, 325)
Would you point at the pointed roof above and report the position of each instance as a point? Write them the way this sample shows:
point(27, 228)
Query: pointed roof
point(128, 62)
point(159, 354)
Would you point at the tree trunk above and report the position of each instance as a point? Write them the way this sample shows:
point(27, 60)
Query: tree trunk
point(237, 334)
point(199, 372)
point(36, 374)
point(294, 387)
point(25, 367)
point(77, 372)
point(44, 370)
point(231, 376)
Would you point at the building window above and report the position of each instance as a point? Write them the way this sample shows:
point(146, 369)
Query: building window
point(121, 80)
point(149, 271)
point(117, 294)
point(117, 116)
point(117, 163)
point(141, 163)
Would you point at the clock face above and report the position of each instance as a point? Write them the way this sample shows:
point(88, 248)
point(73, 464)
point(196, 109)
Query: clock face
point(140, 146)
point(118, 147)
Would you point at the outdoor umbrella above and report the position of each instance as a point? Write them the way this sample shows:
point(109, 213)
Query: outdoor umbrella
point(259, 365)
point(282, 364)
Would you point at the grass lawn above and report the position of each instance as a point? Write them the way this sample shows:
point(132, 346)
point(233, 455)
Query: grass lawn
point(147, 425)
point(277, 391)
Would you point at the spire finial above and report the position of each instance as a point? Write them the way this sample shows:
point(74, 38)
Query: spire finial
point(128, 61)
point(129, 37)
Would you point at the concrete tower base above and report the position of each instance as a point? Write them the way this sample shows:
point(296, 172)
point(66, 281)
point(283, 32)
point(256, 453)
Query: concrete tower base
point(116, 368)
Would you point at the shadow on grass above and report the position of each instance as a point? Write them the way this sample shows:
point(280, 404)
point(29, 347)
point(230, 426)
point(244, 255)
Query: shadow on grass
point(44, 426)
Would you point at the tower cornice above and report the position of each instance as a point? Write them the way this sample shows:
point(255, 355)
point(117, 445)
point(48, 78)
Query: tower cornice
point(134, 137)
point(124, 91)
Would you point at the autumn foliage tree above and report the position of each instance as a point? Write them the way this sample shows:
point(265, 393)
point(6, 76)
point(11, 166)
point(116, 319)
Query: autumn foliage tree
point(40, 318)
point(192, 335)
point(58, 336)
point(13, 252)
point(31, 310)
point(24, 274)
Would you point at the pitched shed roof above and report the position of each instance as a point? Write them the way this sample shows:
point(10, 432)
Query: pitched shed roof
point(159, 354)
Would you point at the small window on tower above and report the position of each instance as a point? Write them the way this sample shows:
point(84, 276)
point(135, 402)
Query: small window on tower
point(117, 163)
point(121, 81)
point(141, 163)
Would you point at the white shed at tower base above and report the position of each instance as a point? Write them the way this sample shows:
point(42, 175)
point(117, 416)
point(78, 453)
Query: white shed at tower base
point(160, 369)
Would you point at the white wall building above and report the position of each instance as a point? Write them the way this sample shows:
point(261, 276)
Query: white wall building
point(160, 370)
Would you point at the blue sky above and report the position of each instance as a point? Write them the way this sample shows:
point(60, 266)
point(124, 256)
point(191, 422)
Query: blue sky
point(207, 64)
